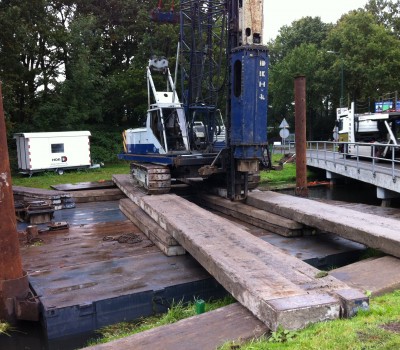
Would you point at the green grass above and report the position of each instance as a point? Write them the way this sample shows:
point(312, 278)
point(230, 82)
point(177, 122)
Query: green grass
point(286, 175)
point(176, 312)
point(5, 328)
point(377, 328)
point(283, 177)
point(48, 178)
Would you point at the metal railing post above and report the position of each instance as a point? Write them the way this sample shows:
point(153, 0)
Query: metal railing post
point(373, 159)
point(393, 163)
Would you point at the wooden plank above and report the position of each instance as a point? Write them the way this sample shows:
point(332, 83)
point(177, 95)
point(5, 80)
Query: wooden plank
point(279, 289)
point(206, 331)
point(84, 185)
point(393, 213)
point(39, 193)
point(260, 218)
point(378, 275)
point(374, 231)
point(124, 182)
point(107, 194)
point(162, 239)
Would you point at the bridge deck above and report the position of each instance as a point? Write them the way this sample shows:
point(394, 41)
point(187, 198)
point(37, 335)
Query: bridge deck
point(380, 173)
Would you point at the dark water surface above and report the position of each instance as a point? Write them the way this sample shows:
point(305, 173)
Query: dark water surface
point(30, 336)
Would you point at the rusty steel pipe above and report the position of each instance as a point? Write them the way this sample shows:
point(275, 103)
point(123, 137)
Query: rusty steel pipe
point(10, 258)
point(300, 135)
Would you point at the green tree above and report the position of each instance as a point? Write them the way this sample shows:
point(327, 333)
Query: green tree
point(29, 59)
point(370, 55)
point(297, 50)
point(131, 39)
point(307, 30)
point(306, 59)
point(386, 13)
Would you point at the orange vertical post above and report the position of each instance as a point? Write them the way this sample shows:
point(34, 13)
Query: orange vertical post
point(13, 281)
point(300, 134)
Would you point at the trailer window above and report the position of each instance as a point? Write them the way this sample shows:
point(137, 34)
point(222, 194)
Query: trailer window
point(57, 148)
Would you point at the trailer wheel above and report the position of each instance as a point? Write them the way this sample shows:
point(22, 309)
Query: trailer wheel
point(60, 171)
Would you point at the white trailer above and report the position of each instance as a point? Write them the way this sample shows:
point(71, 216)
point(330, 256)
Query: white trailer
point(56, 151)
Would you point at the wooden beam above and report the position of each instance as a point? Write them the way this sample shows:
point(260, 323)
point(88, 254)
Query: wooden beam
point(162, 239)
point(277, 288)
point(107, 194)
point(260, 218)
point(374, 231)
point(206, 331)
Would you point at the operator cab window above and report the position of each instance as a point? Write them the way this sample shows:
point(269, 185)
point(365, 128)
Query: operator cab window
point(156, 125)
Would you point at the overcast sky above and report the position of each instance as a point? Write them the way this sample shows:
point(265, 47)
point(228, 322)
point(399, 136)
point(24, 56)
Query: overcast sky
point(283, 12)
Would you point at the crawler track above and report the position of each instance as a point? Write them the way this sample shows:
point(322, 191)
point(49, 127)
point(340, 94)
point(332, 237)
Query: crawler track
point(152, 178)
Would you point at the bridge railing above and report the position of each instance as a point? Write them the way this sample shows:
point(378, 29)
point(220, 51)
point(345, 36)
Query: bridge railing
point(338, 152)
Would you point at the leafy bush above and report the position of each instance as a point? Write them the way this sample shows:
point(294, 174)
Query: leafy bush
point(105, 145)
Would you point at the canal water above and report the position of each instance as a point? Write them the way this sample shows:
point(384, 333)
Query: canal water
point(29, 336)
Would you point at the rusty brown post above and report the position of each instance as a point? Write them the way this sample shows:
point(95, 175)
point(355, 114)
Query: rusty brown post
point(300, 135)
point(13, 280)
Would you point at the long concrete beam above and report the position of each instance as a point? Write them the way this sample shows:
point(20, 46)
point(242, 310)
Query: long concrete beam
point(374, 231)
point(257, 217)
point(277, 288)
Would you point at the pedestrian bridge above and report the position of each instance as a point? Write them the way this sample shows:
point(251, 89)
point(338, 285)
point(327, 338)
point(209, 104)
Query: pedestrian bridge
point(381, 172)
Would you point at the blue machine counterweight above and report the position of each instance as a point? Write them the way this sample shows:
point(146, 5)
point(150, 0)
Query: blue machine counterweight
point(222, 63)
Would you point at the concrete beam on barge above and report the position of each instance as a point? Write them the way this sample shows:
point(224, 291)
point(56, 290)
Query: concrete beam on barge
point(279, 289)
point(374, 231)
